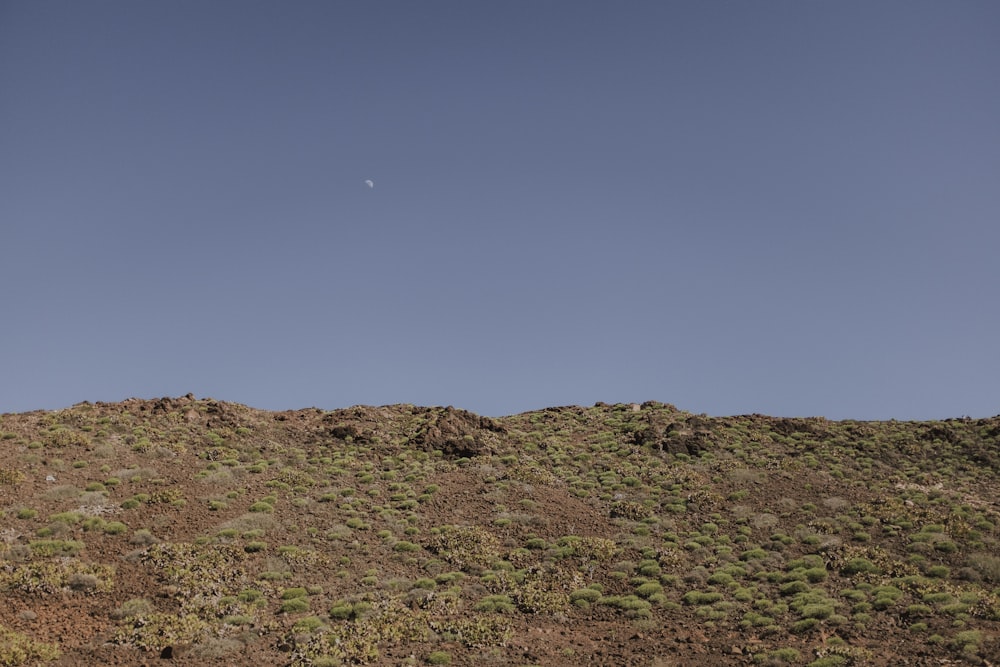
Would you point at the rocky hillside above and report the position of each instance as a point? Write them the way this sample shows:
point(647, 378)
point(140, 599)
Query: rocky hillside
point(205, 532)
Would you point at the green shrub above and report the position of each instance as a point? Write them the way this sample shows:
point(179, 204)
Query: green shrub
point(793, 587)
point(786, 655)
point(249, 595)
point(648, 589)
point(817, 610)
point(987, 565)
point(828, 661)
point(94, 523)
point(55, 547)
point(938, 598)
point(859, 566)
point(584, 597)
point(967, 637)
point(115, 528)
point(815, 574)
point(69, 518)
point(919, 610)
point(721, 579)
point(439, 658)
point(752, 619)
point(803, 626)
point(294, 605)
point(344, 610)
point(633, 606)
point(701, 598)
point(946, 546)
point(885, 597)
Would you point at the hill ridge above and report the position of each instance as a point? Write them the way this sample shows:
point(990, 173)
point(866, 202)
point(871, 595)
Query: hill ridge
point(212, 532)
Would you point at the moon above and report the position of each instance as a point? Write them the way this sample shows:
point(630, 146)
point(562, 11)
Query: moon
point(370, 183)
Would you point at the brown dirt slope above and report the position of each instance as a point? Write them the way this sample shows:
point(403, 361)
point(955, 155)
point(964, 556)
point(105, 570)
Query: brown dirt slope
point(201, 532)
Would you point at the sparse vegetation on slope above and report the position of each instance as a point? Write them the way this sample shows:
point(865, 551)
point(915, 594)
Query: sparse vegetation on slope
point(607, 535)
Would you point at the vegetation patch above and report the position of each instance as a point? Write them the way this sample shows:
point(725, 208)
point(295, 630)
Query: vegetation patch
point(19, 649)
point(51, 576)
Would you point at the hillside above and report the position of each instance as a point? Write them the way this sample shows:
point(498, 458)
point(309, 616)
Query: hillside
point(203, 532)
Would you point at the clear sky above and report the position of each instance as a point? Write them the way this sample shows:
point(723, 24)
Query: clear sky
point(782, 207)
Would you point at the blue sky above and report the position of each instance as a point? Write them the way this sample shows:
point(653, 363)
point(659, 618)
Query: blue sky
point(790, 208)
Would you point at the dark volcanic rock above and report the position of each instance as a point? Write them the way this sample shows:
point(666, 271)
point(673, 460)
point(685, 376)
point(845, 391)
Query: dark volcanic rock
point(457, 433)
